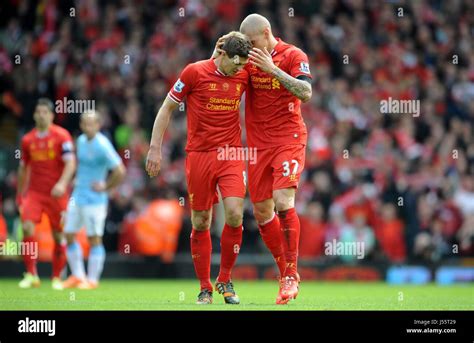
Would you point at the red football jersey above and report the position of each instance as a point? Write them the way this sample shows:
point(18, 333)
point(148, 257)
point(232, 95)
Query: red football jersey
point(272, 114)
point(213, 101)
point(44, 152)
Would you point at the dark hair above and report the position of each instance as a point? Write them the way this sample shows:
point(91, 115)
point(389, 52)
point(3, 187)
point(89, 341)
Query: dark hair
point(237, 44)
point(46, 102)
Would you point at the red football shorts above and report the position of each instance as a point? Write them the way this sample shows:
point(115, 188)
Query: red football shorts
point(34, 204)
point(204, 172)
point(275, 168)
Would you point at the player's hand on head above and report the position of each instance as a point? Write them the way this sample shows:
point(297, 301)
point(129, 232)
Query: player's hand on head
point(153, 162)
point(262, 59)
point(58, 190)
point(219, 44)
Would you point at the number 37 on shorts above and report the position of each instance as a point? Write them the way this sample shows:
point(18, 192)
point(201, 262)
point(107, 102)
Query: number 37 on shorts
point(288, 166)
point(276, 168)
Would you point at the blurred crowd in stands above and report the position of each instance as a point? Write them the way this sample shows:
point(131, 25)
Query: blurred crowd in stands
point(403, 185)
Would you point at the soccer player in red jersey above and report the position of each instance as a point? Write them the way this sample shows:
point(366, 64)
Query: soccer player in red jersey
point(279, 80)
point(46, 168)
point(212, 89)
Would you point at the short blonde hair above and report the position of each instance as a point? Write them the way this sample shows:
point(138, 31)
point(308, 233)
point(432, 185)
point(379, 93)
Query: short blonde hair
point(91, 114)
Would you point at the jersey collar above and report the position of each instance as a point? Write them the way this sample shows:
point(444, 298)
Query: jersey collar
point(42, 134)
point(216, 69)
point(218, 72)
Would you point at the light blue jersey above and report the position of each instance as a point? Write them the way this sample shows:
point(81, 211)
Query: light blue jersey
point(95, 158)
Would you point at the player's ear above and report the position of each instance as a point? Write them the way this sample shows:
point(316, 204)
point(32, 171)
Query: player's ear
point(266, 33)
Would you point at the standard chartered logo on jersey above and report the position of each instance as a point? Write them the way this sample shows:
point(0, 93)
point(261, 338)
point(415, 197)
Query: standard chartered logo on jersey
point(264, 82)
point(223, 104)
point(261, 82)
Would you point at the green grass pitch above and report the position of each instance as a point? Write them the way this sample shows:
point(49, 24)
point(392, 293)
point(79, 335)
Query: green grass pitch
point(134, 294)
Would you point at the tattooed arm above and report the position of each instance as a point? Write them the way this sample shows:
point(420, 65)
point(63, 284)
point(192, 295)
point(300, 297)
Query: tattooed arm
point(299, 88)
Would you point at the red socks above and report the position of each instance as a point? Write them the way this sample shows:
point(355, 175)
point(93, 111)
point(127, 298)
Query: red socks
point(290, 227)
point(231, 240)
point(28, 259)
point(281, 235)
point(201, 249)
point(271, 235)
point(59, 259)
